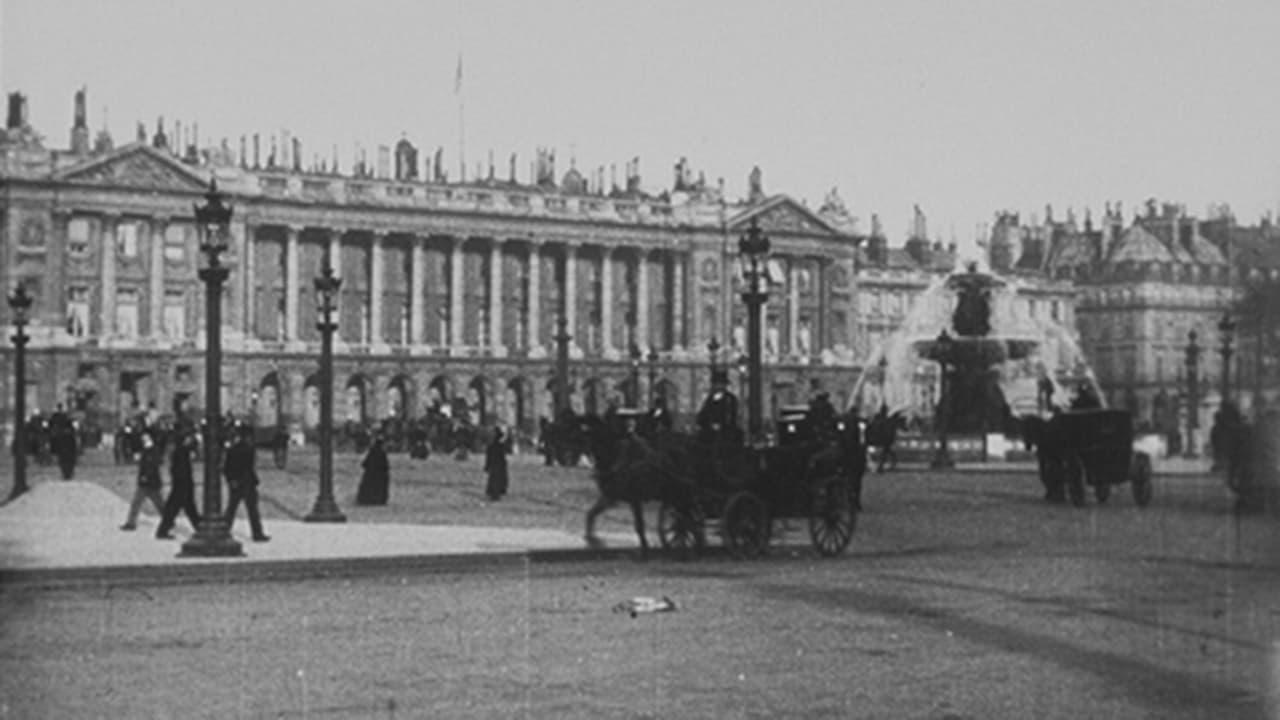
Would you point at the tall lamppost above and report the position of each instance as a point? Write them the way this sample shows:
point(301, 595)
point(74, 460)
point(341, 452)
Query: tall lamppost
point(562, 338)
point(327, 286)
point(753, 246)
point(744, 366)
point(20, 303)
point(213, 536)
point(884, 378)
point(1193, 393)
point(1226, 330)
point(652, 357)
point(633, 389)
point(942, 351)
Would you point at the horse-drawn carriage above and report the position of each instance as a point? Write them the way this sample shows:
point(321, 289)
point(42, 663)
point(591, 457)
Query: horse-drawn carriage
point(1088, 446)
point(740, 491)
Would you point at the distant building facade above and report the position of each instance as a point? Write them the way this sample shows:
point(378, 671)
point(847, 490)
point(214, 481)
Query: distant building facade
point(450, 289)
point(1143, 286)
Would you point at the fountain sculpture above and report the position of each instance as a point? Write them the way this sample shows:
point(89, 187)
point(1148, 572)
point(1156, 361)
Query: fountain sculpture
point(1003, 362)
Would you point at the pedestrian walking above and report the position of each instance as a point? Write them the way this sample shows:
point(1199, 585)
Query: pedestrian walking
point(375, 482)
point(62, 441)
point(149, 482)
point(495, 465)
point(182, 492)
point(243, 480)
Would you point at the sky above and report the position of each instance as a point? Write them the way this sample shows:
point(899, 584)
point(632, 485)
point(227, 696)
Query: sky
point(963, 108)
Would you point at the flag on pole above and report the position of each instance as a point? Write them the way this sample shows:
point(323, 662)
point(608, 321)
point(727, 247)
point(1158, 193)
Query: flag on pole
point(457, 77)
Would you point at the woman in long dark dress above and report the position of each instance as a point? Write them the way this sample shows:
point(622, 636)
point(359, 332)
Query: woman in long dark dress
point(376, 481)
point(495, 464)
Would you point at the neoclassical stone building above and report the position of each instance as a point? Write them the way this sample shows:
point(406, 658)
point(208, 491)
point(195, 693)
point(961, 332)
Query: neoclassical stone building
point(451, 290)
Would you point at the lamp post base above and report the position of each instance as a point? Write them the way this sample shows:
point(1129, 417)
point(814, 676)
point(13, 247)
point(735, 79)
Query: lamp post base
point(212, 539)
point(325, 511)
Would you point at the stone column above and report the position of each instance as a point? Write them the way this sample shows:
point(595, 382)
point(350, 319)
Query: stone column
point(821, 326)
point(642, 300)
point(107, 256)
point(571, 295)
point(156, 286)
point(606, 301)
point(495, 294)
point(335, 250)
point(793, 306)
point(417, 292)
point(534, 340)
point(292, 290)
point(377, 241)
point(455, 294)
point(249, 263)
point(679, 261)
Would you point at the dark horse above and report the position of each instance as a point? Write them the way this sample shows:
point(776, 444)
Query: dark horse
point(634, 470)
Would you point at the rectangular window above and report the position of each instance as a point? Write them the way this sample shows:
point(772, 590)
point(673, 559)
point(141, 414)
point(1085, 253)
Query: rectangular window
point(127, 239)
point(175, 314)
point(78, 311)
point(127, 312)
point(78, 237)
point(175, 243)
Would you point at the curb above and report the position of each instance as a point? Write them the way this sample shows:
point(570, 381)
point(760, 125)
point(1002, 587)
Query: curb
point(250, 571)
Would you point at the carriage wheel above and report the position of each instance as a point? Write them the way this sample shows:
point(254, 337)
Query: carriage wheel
point(1075, 480)
point(746, 525)
point(680, 529)
point(1140, 476)
point(281, 454)
point(833, 520)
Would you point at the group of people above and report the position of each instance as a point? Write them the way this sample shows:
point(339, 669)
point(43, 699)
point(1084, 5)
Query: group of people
point(375, 478)
point(238, 468)
point(1248, 454)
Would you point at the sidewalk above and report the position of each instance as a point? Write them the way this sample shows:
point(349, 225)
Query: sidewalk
point(69, 532)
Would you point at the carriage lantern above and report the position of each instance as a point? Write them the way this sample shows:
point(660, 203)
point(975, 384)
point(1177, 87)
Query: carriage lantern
point(942, 352)
point(213, 221)
point(20, 303)
point(753, 246)
point(326, 287)
point(1226, 329)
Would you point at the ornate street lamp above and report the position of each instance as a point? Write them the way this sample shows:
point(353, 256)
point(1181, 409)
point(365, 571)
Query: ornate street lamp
point(20, 303)
point(213, 536)
point(884, 377)
point(744, 367)
point(652, 357)
point(1193, 393)
point(753, 246)
point(713, 354)
point(942, 351)
point(327, 286)
point(633, 390)
point(1226, 330)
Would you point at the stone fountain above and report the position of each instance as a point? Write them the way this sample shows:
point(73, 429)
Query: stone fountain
point(1003, 361)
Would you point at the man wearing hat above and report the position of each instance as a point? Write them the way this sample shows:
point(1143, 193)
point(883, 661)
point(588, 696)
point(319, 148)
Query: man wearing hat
point(718, 417)
point(243, 480)
point(149, 482)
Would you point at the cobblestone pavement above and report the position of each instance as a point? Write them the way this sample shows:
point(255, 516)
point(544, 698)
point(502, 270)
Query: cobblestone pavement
point(962, 596)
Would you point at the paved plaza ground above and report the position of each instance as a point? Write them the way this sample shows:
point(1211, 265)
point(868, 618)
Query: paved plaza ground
point(963, 595)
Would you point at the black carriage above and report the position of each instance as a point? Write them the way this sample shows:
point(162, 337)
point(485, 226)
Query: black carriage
point(1092, 447)
point(742, 491)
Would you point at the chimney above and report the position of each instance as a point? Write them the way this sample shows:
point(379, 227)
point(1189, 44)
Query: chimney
point(79, 128)
point(755, 185)
point(160, 141)
point(1001, 248)
point(17, 118)
point(297, 155)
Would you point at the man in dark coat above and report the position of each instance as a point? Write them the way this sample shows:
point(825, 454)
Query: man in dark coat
point(375, 482)
point(495, 465)
point(62, 441)
point(243, 480)
point(659, 418)
point(718, 418)
point(182, 492)
point(149, 482)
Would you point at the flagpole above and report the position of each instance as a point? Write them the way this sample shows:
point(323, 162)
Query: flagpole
point(462, 124)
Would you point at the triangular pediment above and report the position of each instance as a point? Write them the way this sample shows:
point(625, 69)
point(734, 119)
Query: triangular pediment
point(782, 215)
point(136, 166)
